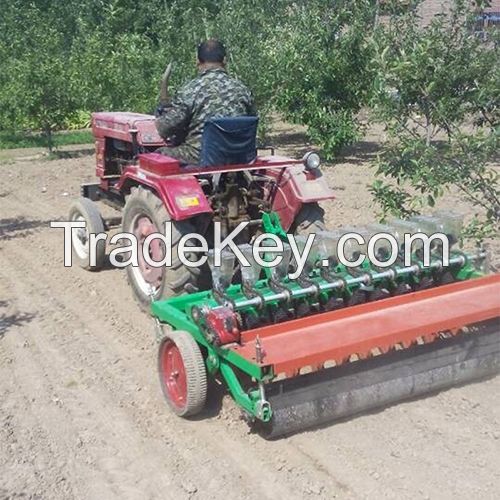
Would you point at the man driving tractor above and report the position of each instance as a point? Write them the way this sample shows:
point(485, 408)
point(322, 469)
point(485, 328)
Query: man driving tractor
point(213, 93)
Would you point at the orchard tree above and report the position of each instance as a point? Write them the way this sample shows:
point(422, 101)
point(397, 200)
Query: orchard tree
point(62, 60)
point(45, 94)
point(37, 90)
point(322, 77)
point(437, 93)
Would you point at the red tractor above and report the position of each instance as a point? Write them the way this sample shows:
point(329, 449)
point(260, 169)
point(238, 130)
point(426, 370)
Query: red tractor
point(149, 189)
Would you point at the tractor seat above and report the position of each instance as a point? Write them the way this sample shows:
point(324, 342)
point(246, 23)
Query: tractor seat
point(229, 141)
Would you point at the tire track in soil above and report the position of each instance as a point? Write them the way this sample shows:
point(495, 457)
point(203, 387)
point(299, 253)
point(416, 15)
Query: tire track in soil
point(84, 353)
point(229, 449)
point(415, 450)
point(307, 476)
point(68, 412)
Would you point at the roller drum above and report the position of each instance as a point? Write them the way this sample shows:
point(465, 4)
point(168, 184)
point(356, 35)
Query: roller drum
point(340, 392)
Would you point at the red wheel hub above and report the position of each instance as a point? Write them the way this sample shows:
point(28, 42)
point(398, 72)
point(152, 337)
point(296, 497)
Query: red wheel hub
point(143, 227)
point(173, 374)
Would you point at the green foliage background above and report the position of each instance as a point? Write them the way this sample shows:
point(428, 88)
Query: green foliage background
point(318, 62)
point(437, 91)
point(59, 61)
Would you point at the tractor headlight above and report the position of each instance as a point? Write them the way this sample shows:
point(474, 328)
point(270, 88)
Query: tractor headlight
point(311, 161)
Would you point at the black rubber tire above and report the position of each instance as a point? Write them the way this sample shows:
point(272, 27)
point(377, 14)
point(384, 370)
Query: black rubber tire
point(310, 219)
point(175, 278)
point(196, 373)
point(83, 207)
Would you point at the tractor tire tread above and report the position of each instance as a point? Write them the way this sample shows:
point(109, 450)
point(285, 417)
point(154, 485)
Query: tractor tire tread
point(310, 219)
point(178, 275)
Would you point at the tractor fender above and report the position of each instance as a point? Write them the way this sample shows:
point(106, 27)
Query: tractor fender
point(296, 187)
point(181, 194)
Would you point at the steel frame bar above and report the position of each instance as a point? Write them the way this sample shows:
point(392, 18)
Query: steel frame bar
point(168, 313)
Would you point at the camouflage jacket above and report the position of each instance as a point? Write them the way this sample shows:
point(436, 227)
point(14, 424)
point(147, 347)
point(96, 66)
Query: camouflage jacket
point(212, 93)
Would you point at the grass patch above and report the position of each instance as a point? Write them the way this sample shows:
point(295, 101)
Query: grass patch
point(9, 140)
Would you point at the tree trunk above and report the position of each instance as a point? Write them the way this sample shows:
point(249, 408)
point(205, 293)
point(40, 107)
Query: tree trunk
point(48, 136)
point(428, 128)
point(377, 13)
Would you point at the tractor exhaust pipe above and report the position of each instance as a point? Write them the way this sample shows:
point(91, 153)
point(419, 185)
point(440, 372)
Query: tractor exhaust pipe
point(340, 392)
point(164, 85)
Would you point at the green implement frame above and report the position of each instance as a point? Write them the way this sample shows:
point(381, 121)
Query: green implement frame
point(236, 369)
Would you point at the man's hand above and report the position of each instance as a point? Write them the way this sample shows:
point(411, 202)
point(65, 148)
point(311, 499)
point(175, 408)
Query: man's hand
point(160, 110)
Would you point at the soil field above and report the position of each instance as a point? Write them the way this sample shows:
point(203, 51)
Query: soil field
point(81, 411)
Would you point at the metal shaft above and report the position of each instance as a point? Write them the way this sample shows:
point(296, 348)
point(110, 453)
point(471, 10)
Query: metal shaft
point(392, 273)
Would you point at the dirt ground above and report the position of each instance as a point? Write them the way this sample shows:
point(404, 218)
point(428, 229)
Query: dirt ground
point(82, 416)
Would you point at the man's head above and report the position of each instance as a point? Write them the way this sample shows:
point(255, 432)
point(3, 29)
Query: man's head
point(211, 53)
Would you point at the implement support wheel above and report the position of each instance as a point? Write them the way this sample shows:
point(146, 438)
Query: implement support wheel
point(183, 377)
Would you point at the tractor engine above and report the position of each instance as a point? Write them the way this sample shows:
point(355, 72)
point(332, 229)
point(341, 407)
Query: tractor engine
point(119, 137)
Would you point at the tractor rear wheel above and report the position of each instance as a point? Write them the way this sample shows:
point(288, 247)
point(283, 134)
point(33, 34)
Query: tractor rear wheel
point(85, 210)
point(310, 219)
point(183, 377)
point(144, 213)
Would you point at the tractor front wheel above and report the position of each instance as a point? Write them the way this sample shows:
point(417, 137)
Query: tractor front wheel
point(143, 215)
point(85, 210)
point(183, 377)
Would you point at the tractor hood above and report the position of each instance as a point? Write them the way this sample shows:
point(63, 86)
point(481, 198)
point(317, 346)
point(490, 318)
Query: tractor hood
point(119, 124)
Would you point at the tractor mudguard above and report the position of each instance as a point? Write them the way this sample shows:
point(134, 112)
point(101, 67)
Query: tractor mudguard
point(297, 186)
point(181, 194)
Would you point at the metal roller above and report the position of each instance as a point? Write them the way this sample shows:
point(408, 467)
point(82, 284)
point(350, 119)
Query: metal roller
point(340, 392)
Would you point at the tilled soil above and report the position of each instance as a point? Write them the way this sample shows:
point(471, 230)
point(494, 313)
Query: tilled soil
point(82, 415)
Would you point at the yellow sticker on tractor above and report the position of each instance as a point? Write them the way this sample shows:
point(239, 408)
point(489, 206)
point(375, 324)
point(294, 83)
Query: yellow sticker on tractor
point(188, 201)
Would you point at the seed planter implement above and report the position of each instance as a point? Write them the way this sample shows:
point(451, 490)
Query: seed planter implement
point(336, 341)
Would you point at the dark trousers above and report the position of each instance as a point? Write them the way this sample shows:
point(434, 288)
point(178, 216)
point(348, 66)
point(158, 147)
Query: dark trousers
point(185, 153)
